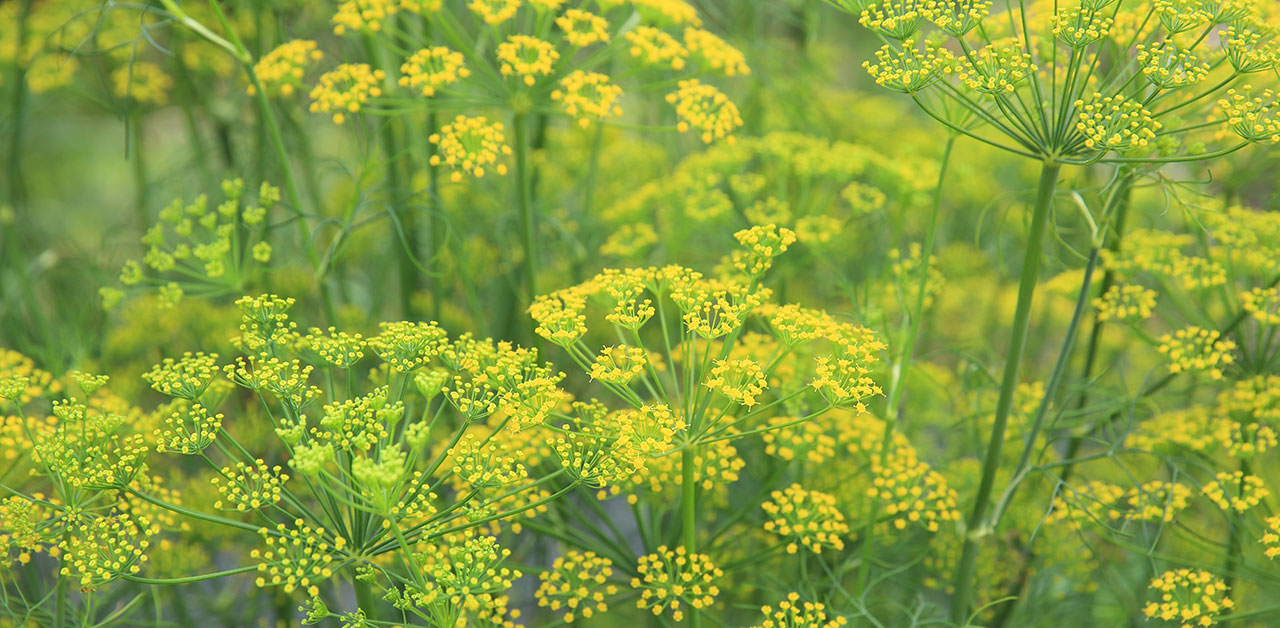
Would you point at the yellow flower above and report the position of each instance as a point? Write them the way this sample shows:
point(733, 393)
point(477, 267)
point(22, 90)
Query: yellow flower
point(1188, 598)
point(494, 11)
point(583, 28)
point(653, 46)
point(432, 68)
point(803, 517)
point(791, 613)
point(281, 70)
point(577, 585)
point(668, 578)
point(587, 96)
point(704, 109)
point(1196, 350)
point(715, 52)
point(345, 89)
point(527, 57)
point(470, 145)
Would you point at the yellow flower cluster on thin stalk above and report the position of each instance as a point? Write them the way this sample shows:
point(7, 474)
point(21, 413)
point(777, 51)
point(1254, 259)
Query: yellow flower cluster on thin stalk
point(542, 53)
point(1082, 81)
point(199, 250)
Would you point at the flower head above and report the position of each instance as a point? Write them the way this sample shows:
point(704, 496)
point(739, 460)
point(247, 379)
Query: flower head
point(470, 145)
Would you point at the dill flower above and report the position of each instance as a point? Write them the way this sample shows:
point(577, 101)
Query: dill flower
point(494, 11)
point(466, 578)
point(360, 423)
point(296, 557)
point(654, 46)
point(247, 487)
point(1166, 66)
point(576, 584)
point(1188, 598)
point(1271, 537)
point(669, 578)
point(345, 89)
point(715, 52)
point(527, 57)
point(407, 346)
point(1253, 118)
point(432, 68)
point(911, 69)
point(1263, 304)
point(803, 517)
point(560, 316)
point(144, 82)
point(97, 550)
point(1080, 26)
point(740, 381)
point(1130, 303)
point(185, 378)
point(583, 28)
point(265, 323)
point(1197, 350)
point(792, 439)
point(910, 492)
point(587, 96)
point(281, 70)
point(1157, 500)
point(619, 364)
point(594, 451)
point(337, 348)
point(792, 613)
point(704, 109)
point(21, 526)
point(190, 429)
point(630, 241)
point(363, 15)
point(994, 69)
point(485, 465)
point(1115, 123)
point(470, 145)
point(957, 17)
point(1236, 491)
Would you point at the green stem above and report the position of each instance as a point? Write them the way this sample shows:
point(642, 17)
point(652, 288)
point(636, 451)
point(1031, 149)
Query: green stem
point(976, 525)
point(528, 220)
point(365, 599)
point(914, 317)
point(910, 330)
point(689, 514)
point(139, 170)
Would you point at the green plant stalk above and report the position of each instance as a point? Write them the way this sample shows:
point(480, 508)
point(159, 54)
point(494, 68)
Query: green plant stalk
point(1095, 334)
point(524, 197)
point(397, 172)
point(139, 171)
point(975, 527)
point(1118, 200)
point(689, 514)
point(365, 599)
point(910, 330)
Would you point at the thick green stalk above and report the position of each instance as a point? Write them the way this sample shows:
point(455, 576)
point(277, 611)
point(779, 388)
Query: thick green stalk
point(398, 170)
point(975, 528)
point(689, 513)
point(365, 599)
point(528, 220)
